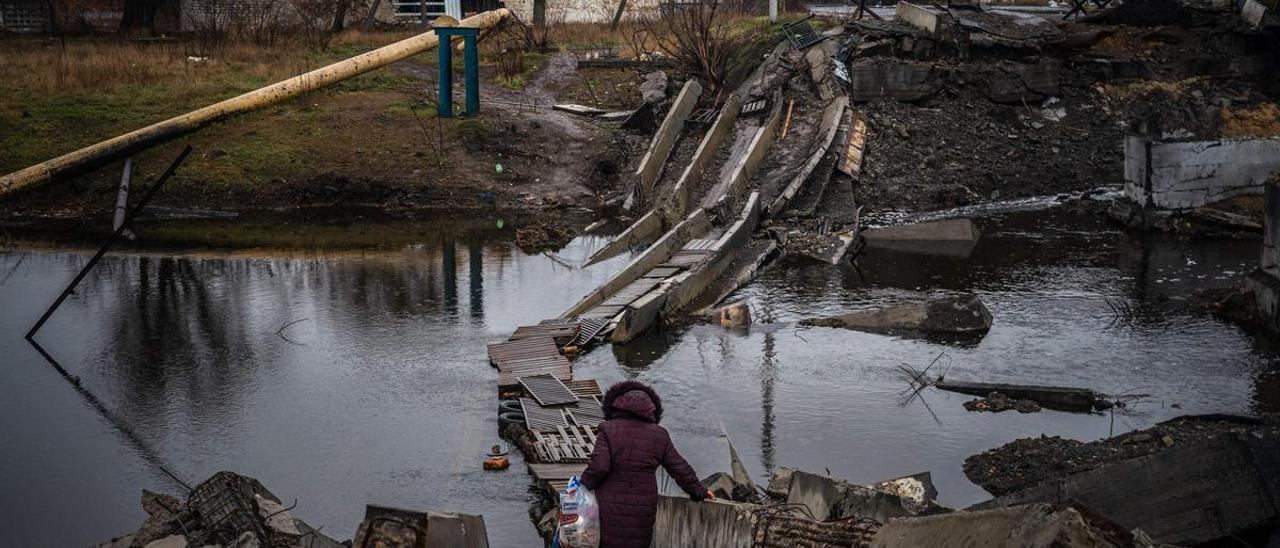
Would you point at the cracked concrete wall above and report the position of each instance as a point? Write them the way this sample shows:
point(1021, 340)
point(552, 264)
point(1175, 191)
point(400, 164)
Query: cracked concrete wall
point(1271, 230)
point(1190, 174)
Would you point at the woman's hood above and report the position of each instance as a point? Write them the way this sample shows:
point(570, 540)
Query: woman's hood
point(635, 399)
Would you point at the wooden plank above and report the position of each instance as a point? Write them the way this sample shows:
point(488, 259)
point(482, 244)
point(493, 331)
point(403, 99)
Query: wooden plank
point(851, 164)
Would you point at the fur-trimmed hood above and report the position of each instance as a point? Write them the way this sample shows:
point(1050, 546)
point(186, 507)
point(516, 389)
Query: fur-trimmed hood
point(632, 399)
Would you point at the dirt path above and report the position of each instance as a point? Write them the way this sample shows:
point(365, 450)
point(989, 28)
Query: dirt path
point(578, 156)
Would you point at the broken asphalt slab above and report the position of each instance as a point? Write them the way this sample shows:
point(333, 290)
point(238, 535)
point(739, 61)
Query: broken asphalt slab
point(1189, 493)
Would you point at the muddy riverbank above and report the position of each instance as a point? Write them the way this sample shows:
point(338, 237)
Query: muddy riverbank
point(184, 347)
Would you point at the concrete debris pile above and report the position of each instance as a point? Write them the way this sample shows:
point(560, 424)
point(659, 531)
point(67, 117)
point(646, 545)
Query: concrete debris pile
point(959, 103)
point(810, 510)
point(395, 527)
point(227, 510)
point(1186, 481)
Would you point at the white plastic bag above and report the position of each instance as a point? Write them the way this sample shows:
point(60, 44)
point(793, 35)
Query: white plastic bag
point(579, 517)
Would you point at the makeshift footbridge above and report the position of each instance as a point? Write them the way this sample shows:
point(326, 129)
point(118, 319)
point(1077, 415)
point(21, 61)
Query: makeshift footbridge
point(700, 243)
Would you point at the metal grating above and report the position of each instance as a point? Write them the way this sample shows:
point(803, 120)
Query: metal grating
point(588, 328)
point(587, 412)
point(536, 347)
point(511, 380)
point(801, 34)
point(548, 390)
point(754, 107)
point(703, 116)
point(542, 419)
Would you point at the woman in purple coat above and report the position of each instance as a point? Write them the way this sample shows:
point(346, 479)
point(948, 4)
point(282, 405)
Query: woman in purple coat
point(630, 447)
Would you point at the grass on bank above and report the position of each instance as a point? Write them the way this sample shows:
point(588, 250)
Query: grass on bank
point(59, 95)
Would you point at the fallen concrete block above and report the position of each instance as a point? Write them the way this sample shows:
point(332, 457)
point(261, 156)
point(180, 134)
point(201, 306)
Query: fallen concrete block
point(956, 315)
point(1187, 494)
point(780, 484)
point(654, 87)
point(935, 231)
point(864, 502)
point(682, 522)
point(1031, 526)
point(817, 493)
point(953, 237)
point(384, 526)
point(830, 498)
point(1015, 83)
point(1189, 174)
point(889, 78)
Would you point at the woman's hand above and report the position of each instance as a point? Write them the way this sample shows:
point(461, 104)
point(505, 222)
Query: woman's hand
point(710, 496)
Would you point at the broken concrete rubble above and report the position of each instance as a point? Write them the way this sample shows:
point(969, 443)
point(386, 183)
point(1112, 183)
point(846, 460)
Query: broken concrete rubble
point(831, 498)
point(1030, 526)
point(888, 78)
point(385, 526)
point(226, 510)
point(1188, 493)
point(955, 316)
point(653, 89)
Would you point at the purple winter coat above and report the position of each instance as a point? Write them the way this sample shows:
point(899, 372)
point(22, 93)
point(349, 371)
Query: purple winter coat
point(630, 447)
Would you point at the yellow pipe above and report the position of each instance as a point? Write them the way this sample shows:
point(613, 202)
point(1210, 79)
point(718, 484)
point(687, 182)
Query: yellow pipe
point(134, 141)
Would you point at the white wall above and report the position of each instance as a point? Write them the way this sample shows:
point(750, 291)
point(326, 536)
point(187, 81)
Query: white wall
point(1190, 174)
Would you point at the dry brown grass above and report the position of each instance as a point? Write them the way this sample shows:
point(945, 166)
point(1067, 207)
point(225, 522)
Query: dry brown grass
point(1261, 120)
point(96, 65)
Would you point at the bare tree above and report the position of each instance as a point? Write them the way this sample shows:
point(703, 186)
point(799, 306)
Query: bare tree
point(321, 20)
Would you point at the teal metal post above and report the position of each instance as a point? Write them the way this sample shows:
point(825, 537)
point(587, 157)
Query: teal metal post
point(472, 61)
point(471, 66)
point(444, 98)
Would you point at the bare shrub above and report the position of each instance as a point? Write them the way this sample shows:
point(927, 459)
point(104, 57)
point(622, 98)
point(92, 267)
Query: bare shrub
point(698, 36)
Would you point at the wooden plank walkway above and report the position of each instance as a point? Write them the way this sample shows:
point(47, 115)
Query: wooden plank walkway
point(555, 476)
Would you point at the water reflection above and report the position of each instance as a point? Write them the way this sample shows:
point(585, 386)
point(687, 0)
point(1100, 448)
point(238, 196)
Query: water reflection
point(377, 389)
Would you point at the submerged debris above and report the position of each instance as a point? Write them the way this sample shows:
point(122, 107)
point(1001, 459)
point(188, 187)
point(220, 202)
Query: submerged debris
point(955, 315)
point(543, 237)
point(997, 402)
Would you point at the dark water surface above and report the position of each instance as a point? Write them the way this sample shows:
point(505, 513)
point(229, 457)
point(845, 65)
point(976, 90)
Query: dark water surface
point(382, 393)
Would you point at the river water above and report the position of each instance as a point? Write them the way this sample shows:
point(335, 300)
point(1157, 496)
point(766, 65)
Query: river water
point(377, 389)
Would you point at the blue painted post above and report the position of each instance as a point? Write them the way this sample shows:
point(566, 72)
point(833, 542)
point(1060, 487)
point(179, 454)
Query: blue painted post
point(472, 62)
point(444, 99)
